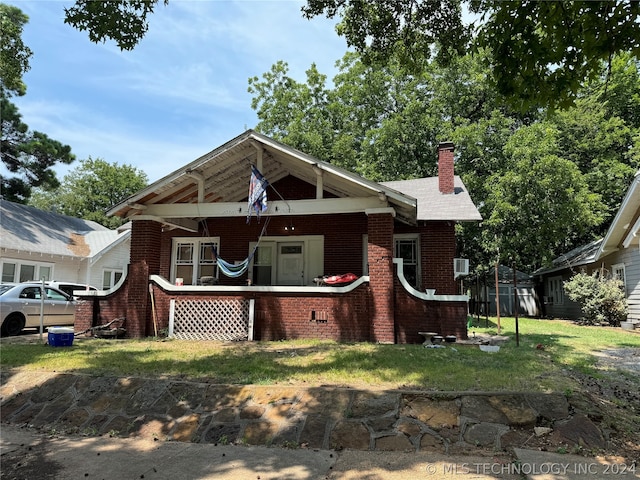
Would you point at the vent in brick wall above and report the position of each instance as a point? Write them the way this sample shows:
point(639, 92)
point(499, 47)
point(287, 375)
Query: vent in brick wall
point(215, 319)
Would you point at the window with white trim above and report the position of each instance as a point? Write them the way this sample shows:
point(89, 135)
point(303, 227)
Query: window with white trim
point(193, 260)
point(110, 277)
point(555, 288)
point(617, 272)
point(16, 271)
point(405, 246)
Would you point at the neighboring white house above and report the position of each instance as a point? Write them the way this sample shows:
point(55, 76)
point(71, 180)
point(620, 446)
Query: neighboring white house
point(617, 255)
point(36, 245)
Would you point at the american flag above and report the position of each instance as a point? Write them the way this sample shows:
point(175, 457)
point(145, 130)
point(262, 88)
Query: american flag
point(257, 193)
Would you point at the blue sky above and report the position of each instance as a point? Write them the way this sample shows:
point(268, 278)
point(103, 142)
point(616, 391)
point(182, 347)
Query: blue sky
point(180, 93)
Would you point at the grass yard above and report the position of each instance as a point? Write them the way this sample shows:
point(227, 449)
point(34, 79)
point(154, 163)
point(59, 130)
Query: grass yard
point(564, 345)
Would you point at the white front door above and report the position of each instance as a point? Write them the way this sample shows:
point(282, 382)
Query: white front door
point(290, 263)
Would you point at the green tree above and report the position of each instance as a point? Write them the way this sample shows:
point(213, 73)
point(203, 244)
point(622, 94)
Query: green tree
point(14, 54)
point(90, 189)
point(27, 155)
point(124, 21)
point(541, 205)
point(542, 51)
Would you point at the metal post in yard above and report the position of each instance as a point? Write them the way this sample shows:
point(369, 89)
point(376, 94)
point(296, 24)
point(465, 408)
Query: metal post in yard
point(497, 298)
point(515, 300)
point(41, 309)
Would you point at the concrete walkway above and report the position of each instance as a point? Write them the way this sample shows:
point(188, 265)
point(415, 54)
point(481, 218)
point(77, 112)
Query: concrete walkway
point(29, 455)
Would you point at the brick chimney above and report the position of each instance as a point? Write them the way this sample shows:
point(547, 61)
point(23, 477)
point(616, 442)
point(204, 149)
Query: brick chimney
point(445, 167)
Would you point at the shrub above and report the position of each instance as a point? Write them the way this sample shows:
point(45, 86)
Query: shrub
point(602, 299)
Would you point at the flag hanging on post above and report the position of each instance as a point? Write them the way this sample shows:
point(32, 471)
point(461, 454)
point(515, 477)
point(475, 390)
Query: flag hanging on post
point(257, 193)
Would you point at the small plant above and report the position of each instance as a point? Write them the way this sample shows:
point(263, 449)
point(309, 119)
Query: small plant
point(223, 440)
point(602, 299)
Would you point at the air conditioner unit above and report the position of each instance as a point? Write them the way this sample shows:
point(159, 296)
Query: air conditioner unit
point(460, 267)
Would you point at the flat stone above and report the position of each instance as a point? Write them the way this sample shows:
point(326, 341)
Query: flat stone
point(53, 389)
point(149, 427)
point(74, 418)
point(367, 404)
point(313, 431)
point(260, 433)
point(271, 395)
point(186, 428)
point(541, 431)
point(479, 409)
point(278, 413)
point(332, 403)
point(217, 397)
point(222, 434)
point(550, 406)
point(579, 430)
point(408, 427)
point(351, 435)
point(394, 443)
point(252, 412)
point(381, 424)
point(226, 415)
point(485, 434)
point(434, 413)
point(515, 408)
point(288, 435)
point(188, 395)
point(432, 443)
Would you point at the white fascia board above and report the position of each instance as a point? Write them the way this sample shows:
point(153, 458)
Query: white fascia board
point(121, 238)
point(275, 208)
point(630, 201)
point(633, 233)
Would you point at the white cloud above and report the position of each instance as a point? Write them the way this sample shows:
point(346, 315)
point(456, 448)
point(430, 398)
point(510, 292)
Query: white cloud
point(180, 93)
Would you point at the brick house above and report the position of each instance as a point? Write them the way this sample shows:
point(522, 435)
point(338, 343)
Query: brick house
point(192, 226)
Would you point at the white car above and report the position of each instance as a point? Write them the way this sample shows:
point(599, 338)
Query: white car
point(20, 306)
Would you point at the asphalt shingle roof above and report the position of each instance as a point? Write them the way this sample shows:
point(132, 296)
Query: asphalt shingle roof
point(433, 205)
point(29, 229)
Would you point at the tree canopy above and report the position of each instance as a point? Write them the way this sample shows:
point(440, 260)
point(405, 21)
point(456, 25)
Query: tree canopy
point(544, 183)
point(90, 189)
point(541, 51)
point(27, 155)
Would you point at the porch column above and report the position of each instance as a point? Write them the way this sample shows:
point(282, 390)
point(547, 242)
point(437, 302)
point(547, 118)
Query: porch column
point(380, 258)
point(144, 261)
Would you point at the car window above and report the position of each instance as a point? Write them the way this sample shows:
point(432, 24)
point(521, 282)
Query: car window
point(31, 293)
point(55, 295)
point(5, 288)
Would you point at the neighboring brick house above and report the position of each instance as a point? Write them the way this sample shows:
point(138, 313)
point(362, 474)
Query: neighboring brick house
point(320, 220)
point(36, 244)
point(616, 255)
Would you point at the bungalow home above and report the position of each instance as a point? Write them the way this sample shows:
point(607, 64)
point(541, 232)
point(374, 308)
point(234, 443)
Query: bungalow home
point(257, 240)
point(36, 244)
point(617, 255)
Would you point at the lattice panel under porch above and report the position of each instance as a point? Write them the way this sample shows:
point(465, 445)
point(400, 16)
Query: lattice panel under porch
point(211, 319)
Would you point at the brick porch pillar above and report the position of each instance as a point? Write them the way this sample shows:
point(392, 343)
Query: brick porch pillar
point(145, 261)
point(380, 258)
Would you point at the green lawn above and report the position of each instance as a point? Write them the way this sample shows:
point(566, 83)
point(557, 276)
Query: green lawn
point(524, 367)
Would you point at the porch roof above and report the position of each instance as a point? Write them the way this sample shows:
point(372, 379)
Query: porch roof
point(215, 183)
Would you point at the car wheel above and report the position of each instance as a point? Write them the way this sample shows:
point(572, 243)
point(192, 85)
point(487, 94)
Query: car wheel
point(12, 325)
